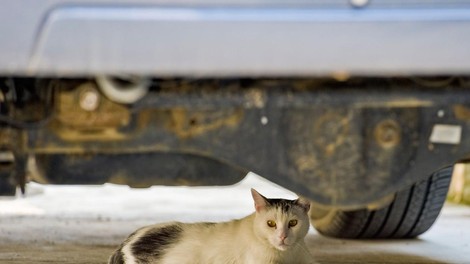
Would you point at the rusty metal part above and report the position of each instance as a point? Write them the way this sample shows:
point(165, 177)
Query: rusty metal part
point(185, 123)
point(462, 112)
point(81, 114)
point(387, 133)
point(339, 143)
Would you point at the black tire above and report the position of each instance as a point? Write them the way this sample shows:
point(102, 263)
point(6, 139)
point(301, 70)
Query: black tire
point(7, 187)
point(10, 170)
point(411, 213)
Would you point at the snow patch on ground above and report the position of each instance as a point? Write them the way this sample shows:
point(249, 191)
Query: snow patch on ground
point(117, 202)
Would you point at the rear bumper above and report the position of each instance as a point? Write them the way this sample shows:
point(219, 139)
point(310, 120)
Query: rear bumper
point(238, 41)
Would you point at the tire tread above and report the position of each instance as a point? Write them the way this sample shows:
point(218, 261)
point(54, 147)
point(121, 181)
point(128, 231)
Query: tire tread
point(412, 212)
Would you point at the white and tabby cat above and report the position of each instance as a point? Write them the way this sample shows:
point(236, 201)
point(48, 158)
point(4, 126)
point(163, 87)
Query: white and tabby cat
point(273, 234)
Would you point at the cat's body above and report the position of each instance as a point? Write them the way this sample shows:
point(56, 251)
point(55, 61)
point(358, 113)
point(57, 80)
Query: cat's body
point(273, 234)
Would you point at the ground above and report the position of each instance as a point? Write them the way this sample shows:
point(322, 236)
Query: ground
point(77, 224)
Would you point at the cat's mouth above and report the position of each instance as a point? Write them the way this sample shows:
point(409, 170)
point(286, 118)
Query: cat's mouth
point(282, 246)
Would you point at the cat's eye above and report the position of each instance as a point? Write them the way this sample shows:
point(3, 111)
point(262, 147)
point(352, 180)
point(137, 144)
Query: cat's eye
point(292, 223)
point(271, 223)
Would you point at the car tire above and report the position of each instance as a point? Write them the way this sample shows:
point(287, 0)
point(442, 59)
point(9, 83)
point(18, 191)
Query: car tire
point(411, 213)
point(7, 188)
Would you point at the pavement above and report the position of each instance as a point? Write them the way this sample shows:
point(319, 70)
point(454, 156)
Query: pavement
point(84, 224)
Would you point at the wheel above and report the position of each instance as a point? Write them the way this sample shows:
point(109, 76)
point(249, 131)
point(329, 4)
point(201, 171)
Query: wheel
point(7, 185)
point(12, 173)
point(411, 213)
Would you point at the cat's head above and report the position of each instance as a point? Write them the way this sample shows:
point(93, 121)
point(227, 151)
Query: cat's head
point(279, 222)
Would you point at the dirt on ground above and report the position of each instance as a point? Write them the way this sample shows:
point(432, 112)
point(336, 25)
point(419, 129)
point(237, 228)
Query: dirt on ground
point(29, 240)
point(77, 224)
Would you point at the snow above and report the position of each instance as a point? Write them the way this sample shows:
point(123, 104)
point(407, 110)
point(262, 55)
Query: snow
point(161, 203)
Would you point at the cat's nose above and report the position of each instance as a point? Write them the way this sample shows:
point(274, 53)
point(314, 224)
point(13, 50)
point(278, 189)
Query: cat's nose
point(283, 237)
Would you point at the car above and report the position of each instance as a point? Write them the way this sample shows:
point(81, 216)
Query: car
point(363, 107)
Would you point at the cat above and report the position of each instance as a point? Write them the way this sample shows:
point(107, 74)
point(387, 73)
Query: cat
point(274, 233)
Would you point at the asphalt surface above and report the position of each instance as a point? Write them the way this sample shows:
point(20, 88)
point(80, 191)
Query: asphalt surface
point(84, 224)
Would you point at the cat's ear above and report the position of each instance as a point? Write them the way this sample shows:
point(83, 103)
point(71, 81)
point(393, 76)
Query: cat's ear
point(260, 200)
point(304, 203)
